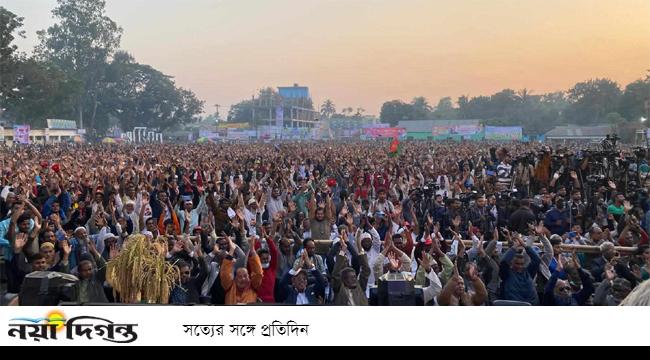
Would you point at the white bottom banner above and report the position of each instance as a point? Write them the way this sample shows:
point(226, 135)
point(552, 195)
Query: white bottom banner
point(293, 325)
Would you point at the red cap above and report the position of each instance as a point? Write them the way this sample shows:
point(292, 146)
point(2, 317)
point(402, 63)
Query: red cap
point(428, 241)
point(331, 182)
point(44, 164)
point(56, 168)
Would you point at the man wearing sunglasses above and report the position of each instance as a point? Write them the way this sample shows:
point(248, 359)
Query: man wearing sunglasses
point(568, 293)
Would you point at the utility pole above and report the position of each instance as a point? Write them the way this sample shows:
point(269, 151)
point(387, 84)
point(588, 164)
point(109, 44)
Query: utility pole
point(216, 112)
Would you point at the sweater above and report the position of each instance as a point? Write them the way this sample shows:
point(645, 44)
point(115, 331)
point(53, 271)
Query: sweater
point(266, 292)
point(519, 286)
point(233, 295)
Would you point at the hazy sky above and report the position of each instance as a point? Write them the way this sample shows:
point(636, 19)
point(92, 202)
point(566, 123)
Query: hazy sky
point(365, 52)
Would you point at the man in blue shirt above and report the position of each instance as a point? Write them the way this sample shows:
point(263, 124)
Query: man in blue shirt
point(557, 219)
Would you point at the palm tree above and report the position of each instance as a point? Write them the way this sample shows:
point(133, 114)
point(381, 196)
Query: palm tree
point(328, 109)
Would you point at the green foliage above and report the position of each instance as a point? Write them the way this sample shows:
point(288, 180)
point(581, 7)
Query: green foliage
point(78, 71)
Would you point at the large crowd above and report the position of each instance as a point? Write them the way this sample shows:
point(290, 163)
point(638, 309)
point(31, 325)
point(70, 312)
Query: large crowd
point(471, 223)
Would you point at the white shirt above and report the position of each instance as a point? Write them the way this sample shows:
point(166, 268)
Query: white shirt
point(301, 299)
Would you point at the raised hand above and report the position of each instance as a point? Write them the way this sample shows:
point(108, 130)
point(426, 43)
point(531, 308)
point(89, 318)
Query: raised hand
point(627, 206)
point(393, 263)
point(344, 245)
point(481, 250)
point(473, 272)
point(67, 248)
point(178, 247)
point(575, 260)
point(344, 211)
point(349, 220)
point(307, 261)
point(612, 184)
point(20, 242)
point(455, 275)
point(252, 242)
point(425, 263)
point(540, 229)
point(240, 214)
point(357, 208)
point(456, 221)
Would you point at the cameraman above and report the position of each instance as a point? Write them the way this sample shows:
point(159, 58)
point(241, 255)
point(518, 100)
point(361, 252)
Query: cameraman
point(557, 219)
point(480, 216)
point(504, 169)
point(542, 204)
point(577, 209)
point(523, 173)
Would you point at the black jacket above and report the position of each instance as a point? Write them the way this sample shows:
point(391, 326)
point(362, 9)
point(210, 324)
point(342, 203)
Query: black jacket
point(313, 291)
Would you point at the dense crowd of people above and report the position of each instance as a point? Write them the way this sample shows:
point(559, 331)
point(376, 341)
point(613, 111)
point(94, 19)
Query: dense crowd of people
point(471, 223)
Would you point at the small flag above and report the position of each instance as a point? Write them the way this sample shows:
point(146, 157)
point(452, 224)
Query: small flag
point(394, 148)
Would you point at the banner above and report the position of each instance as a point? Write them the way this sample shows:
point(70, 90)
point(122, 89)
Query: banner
point(226, 125)
point(503, 133)
point(61, 124)
point(247, 326)
point(459, 130)
point(212, 135)
point(21, 134)
point(234, 134)
point(384, 132)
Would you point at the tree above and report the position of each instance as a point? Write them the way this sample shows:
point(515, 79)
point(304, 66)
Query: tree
point(359, 112)
point(445, 109)
point(45, 92)
point(80, 43)
point(327, 109)
point(139, 95)
point(632, 103)
point(394, 111)
point(421, 108)
point(10, 25)
point(241, 112)
point(592, 100)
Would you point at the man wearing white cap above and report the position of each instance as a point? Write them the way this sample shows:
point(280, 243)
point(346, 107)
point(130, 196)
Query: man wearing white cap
point(131, 215)
point(188, 217)
point(371, 244)
point(252, 214)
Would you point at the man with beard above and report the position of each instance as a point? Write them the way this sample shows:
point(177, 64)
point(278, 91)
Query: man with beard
point(557, 219)
point(348, 290)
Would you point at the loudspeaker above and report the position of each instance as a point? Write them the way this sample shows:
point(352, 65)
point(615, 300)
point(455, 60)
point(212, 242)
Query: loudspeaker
point(397, 292)
point(48, 288)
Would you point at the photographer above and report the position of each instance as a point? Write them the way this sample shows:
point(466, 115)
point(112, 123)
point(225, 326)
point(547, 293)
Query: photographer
point(557, 219)
point(480, 216)
point(577, 209)
point(504, 169)
point(523, 174)
point(523, 216)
